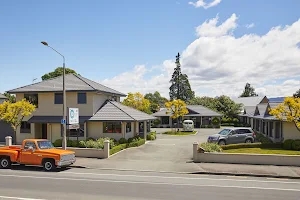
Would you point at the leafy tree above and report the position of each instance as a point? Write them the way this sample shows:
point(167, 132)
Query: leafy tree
point(14, 113)
point(249, 91)
point(180, 86)
point(289, 110)
point(177, 108)
point(137, 101)
point(156, 101)
point(11, 98)
point(297, 94)
point(58, 72)
point(221, 104)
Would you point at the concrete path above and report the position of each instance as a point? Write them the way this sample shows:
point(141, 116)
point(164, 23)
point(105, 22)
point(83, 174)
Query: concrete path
point(72, 184)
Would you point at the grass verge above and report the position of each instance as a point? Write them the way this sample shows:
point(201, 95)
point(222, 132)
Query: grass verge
point(262, 151)
point(179, 133)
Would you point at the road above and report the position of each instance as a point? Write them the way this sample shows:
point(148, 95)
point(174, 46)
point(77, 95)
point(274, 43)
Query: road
point(32, 183)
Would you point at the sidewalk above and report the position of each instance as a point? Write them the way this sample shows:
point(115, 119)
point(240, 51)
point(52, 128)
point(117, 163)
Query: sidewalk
point(249, 170)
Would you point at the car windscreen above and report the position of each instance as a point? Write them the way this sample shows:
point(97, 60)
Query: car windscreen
point(224, 132)
point(45, 145)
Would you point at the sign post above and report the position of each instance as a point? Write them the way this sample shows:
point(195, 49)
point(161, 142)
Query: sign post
point(73, 120)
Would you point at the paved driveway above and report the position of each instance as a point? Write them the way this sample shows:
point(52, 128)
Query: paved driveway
point(166, 153)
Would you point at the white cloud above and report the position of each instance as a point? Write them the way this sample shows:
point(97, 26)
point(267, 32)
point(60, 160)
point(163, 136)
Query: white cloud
point(201, 3)
point(250, 25)
point(218, 62)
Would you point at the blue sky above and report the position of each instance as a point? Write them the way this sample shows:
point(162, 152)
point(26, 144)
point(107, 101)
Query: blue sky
point(103, 39)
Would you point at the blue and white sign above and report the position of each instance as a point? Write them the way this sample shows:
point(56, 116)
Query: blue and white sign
point(73, 116)
point(63, 121)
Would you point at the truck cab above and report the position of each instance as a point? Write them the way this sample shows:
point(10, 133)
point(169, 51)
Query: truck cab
point(36, 152)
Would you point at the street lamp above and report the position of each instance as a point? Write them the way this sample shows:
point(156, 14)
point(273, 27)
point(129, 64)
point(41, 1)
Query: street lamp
point(64, 141)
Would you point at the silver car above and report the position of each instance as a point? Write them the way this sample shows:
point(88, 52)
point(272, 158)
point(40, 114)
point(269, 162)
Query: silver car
point(233, 136)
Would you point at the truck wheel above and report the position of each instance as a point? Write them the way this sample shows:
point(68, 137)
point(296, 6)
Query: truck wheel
point(5, 163)
point(49, 165)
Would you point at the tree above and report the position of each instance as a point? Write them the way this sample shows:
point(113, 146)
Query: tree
point(14, 113)
point(289, 111)
point(297, 94)
point(58, 72)
point(11, 98)
point(249, 91)
point(177, 108)
point(180, 86)
point(156, 101)
point(137, 101)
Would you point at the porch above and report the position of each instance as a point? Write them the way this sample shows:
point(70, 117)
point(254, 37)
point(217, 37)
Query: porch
point(270, 128)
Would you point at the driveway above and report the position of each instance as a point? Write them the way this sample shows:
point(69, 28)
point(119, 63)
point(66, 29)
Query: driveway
point(165, 154)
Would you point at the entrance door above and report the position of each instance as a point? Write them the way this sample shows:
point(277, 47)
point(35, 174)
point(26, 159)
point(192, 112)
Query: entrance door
point(44, 131)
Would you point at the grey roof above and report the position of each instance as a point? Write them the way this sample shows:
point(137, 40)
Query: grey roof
point(73, 83)
point(249, 111)
point(115, 111)
point(53, 119)
point(249, 101)
point(267, 117)
point(2, 96)
point(197, 109)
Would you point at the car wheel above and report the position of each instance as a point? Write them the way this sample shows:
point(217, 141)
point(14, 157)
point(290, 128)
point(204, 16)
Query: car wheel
point(49, 165)
point(221, 142)
point(5, 163)
point(248, 141)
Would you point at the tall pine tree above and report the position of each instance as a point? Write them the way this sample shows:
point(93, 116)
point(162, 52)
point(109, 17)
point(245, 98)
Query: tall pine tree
point(180, 85)
point(249, 91)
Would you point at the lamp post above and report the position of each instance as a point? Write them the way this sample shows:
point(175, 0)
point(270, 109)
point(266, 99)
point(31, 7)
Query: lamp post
point(64, 141)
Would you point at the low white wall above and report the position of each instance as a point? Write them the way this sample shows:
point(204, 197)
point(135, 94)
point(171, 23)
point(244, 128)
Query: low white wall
point(238, 158)
point(89, 152)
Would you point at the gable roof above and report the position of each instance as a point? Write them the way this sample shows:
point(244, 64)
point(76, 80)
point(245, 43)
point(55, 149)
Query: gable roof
point(2, 96)
point(194, 110)
point(249, 101)
point(250, 110)
point(115, 111)
point(263, 109)
point(73, 83)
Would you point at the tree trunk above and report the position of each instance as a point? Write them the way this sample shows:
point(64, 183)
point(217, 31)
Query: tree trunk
point(15, 137)
point(177, 124)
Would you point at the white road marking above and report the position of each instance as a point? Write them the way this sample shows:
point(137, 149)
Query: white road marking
point(162, 144)
point(150, 183)
point(18, 198)
point(184, 178)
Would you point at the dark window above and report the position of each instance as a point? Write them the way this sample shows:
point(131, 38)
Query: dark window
point(74, 132)
point(81, 98)
point(58, 98)
point(25, 127)
point(32, 98)
point(243, 131)
point(148, 126)
point(164, 120)
point(112, 127)
point(128, 127)
point(29, 144)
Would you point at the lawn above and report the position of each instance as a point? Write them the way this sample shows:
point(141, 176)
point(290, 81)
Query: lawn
point(179, 133)
point(262, 151)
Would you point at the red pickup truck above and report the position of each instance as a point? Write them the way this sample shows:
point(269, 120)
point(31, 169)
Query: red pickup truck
point(36, 152)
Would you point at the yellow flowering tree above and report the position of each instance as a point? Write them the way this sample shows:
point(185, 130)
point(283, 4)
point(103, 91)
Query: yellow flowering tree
point(14, 113)
point(137, 101)
point(177, 108)
point(289, 110)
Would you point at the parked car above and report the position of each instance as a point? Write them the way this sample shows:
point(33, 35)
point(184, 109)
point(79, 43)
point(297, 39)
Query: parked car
point(188, 125)
point(36, 152)
point(233, 136)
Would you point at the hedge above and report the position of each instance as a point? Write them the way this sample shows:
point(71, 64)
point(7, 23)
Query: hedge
point(136, 143)
point(210, 126)
point(263, 139)
point(210, 147)
point(251, 145)
point(117, 148)
point(151, 136)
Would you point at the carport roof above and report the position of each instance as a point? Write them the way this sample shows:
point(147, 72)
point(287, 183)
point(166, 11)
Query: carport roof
point(195, 110)
point(2, 96)
point(115, 111)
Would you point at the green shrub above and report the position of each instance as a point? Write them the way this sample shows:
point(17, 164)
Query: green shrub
point(251, 145)
point(122, 141)
point(235, 120)
point(74, 143)
point(263, 139)
point(296, 145)
point(205, 126)
point(57, 143)
point(217, 126)
point(90, 138)
point(136, 143)
point(151, 136)
point(215, 121)
point(210, 147)
point(156, 122)
point(82, 144)
point(117, 148)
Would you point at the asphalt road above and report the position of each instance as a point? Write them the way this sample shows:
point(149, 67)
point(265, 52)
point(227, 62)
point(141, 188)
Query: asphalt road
point(32, 183)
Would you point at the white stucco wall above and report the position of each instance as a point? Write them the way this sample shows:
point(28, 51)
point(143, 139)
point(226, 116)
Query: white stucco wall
point(290, 131)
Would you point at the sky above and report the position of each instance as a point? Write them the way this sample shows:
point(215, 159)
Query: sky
point(131, 45)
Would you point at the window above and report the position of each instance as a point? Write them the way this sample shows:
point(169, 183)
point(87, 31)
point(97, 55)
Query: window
point(164, 120)
point(243, 131)
point(224, 132)
point(81, 98)
point(128, 127)
point(112, 127)
point(58, 98)
point(74, 132)
point(32, 98)
point(25, 127)
point(45, 145)
point(29, 144)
